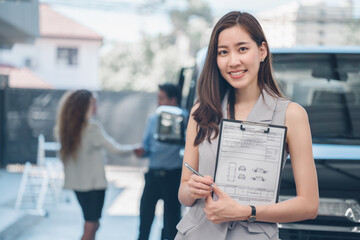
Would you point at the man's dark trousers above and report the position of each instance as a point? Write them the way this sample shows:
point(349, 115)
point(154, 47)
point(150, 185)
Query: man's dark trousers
point(160, 184)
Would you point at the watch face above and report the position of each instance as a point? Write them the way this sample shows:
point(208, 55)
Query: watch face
point(251, 218)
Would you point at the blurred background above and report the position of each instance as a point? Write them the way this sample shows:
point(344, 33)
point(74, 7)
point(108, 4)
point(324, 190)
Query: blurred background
point(123, 49)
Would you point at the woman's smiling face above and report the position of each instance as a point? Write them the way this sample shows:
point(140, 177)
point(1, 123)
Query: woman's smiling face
point(239, 57)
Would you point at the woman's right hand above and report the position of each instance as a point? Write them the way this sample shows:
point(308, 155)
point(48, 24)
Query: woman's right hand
point(139, 151)
point(200, 187)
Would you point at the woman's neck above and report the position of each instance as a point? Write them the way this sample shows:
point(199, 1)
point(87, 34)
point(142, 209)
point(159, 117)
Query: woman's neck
point(245, 100)
point(247, 96)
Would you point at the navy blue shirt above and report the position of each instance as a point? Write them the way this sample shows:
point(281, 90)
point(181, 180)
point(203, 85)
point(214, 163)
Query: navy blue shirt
point(162, 155)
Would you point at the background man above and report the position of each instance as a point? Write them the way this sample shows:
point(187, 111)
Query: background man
point(163, 177)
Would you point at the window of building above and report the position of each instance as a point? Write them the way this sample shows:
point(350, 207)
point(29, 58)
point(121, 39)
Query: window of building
point(67, 56)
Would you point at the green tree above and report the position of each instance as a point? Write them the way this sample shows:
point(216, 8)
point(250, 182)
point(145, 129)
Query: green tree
point(353, 37)
point(194, 22)
point(157, 59)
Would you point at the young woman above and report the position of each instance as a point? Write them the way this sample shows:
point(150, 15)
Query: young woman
point(82, 142)
point(237, 83)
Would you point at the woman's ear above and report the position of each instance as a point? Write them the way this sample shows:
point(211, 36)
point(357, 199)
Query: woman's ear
point(263, 51)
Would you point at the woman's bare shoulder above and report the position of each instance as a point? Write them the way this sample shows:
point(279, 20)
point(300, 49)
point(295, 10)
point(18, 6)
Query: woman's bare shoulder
point(296, 115)
point(295, 110)
point(195, 107)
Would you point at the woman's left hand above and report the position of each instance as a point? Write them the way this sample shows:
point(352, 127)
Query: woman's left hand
point(224, 209)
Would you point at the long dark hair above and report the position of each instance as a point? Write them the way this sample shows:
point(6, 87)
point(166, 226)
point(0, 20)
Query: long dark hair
point(71, 120)
point(212, 86)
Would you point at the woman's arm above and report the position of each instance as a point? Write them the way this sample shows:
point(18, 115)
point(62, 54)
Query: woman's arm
point(101, 138)
point(304, 205)
point(192, 187)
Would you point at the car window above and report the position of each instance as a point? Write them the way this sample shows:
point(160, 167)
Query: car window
point(327, 86)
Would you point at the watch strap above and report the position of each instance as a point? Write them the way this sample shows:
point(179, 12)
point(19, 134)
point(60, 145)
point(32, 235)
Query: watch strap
point(252, 217)
point(253, 210)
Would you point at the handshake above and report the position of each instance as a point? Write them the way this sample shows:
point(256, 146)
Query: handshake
point(138, 150)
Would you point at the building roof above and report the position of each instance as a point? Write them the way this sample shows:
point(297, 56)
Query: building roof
point(54, 25)
point(23, 78)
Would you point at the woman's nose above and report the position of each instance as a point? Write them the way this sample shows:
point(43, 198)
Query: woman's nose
point(235, 59)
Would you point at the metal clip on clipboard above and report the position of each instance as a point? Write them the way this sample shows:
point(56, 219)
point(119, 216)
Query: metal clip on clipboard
point(254, 123)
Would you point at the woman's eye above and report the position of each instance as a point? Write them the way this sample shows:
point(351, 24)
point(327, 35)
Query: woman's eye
point(222, 52)
point(242, 49)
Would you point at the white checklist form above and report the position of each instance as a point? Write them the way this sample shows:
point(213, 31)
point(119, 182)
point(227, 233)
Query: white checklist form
point(249, 161)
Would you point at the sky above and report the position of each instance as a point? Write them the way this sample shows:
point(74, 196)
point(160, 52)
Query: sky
point(124, 24)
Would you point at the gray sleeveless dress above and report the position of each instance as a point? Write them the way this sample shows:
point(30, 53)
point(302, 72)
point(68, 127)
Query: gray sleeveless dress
point(194, 225)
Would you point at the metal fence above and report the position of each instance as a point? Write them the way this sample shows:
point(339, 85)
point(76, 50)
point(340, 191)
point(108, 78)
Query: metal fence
point(27, 113)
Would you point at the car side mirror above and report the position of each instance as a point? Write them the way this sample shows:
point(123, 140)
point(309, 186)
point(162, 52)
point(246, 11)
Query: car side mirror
point(171, 124)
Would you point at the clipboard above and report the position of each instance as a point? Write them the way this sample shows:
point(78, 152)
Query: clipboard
point(249, 161)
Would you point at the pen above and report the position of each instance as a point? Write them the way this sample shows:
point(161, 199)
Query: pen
point(194, 171)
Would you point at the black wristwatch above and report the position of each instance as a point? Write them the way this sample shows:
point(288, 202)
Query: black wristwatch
point(252, 217)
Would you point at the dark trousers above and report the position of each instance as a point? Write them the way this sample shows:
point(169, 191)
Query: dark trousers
point(160, 184)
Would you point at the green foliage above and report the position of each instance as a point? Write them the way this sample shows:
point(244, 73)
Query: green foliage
point(353, 37)
point(141, 66)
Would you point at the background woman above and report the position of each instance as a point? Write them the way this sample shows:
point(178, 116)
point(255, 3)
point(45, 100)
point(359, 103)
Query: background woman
point(83, 141)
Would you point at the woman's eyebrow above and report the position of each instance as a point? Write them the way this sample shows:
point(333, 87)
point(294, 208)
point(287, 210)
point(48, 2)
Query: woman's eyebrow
point(241, 43)
point(237, 44)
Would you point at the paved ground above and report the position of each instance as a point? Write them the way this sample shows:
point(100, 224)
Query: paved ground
point(64, 221)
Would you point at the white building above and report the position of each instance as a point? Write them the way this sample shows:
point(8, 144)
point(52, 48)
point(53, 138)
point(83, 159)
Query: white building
point(302, 23)
point(65, 55)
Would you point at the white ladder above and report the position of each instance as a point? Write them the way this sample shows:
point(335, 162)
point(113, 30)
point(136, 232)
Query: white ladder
point(41, 183)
